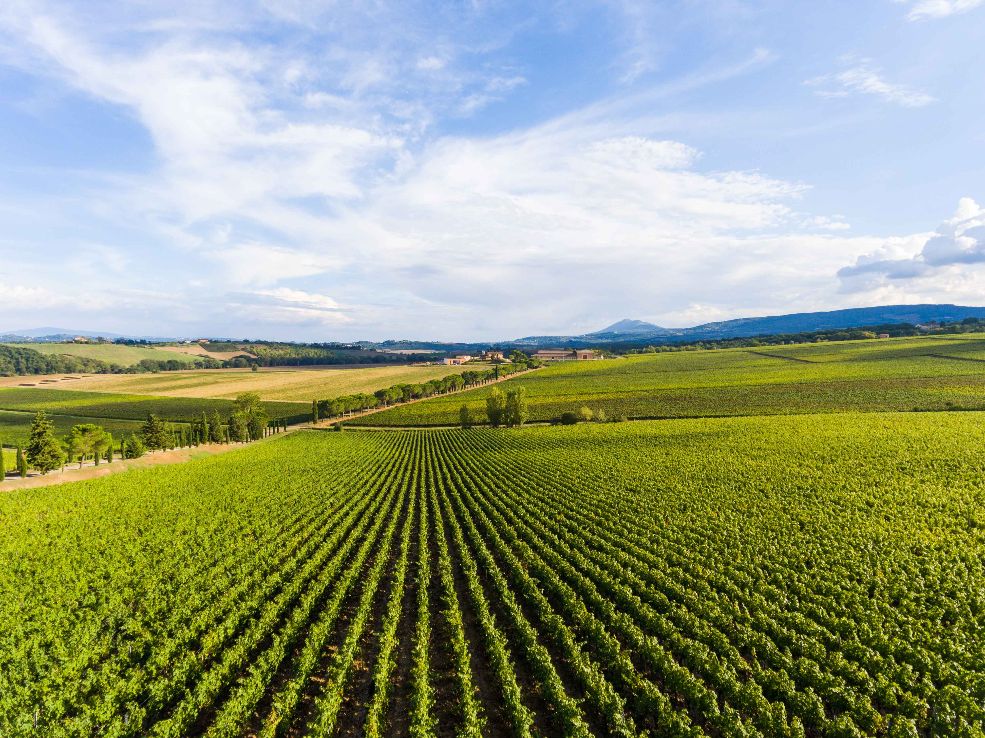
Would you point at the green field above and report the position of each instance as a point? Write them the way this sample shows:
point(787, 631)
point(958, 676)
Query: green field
point(15, 427)
point(810, 575)
point(105, 405)
point(109, 352)
point(300, 385)
point(891, 375)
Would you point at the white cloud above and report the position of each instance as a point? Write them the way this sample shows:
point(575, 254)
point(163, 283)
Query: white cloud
point(862, 78)
point(959, 242)
point(285, 305)
point(20, 297)
point(431, 63)
point(282, 174)
point(923, 9)
point(492, 91)
point(256, 263)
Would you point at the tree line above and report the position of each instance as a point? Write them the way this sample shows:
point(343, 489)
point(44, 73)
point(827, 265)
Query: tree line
point(347, 404)
point(45, 452)
point(22, 361)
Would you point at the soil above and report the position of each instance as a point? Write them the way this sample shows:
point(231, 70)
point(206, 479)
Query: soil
point(73, 473)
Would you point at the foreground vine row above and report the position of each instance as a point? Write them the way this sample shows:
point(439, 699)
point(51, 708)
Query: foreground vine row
point(810, 576)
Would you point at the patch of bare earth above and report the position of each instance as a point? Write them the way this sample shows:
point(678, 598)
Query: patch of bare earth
point(73, 473)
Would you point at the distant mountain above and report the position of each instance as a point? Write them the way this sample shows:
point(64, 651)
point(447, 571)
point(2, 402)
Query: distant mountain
point(629, 327)
point(50, 334)
point(639, 331)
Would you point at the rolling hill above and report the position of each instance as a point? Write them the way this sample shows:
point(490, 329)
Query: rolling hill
point(638, 330)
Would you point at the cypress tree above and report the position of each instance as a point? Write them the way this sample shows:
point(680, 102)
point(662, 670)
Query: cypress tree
point(314, 411)
point(21, 462)
point(3, 464)
point(154, 433)
point(44, 451)
point(216, 434)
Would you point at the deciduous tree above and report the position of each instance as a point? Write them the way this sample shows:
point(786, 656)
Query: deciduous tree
point(515, 412)
point(87, 441)
point(495, 407)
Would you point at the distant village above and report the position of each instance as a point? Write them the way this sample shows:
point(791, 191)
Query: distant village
point(542, 355)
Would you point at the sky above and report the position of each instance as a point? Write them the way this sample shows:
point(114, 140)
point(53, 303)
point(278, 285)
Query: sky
point(483, 169)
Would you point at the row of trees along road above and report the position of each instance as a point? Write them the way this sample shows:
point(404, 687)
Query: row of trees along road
point(45, 452)
point(347, 404)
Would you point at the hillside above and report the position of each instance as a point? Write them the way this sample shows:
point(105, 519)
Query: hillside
point(927, 373)
point(110, 353)
point(640, 331)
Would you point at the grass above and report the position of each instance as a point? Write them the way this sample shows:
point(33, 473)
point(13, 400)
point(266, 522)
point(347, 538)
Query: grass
point(301, 385)
point(109, 352)
point(887, 375)
point(126, 407)
point(808, 575)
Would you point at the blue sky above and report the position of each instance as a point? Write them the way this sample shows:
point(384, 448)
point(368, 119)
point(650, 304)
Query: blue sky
point(483, 170)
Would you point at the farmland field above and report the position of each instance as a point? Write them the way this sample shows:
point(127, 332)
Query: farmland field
point(126, 406)
point(109, 352)
point(893, 375)
point(15, 427)
point(299, 385)
point(808, 575)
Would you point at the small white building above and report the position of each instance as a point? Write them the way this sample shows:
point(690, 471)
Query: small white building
point(567, 355)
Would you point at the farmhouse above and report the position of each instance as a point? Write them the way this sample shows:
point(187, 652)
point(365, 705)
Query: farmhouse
point(493, 356)
point(566, 355)
point(456, 360)
point(883, 335)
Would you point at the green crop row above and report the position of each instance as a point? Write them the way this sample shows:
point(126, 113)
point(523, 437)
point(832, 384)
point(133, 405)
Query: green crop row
point(129, 407)
point(915, 374)
point(15, 427)
point(768, 576)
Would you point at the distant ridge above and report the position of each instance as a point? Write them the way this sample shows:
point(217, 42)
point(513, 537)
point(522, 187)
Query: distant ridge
point(629, 327)
point(50, 334)
point(629, 330)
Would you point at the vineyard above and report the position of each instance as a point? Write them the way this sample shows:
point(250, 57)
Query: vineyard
point(127, 407)
point(780, 576)
point(280, 384)
point(15, 427)
point(930, 373)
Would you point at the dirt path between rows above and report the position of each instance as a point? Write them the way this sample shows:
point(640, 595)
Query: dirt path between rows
point(72, 472)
